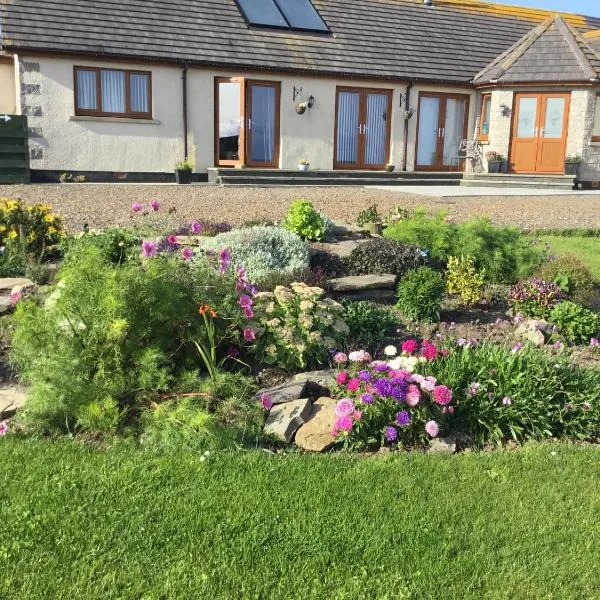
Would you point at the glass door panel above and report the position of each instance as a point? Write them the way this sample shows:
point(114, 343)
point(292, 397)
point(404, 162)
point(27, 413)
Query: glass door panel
point(555, 115)
point(347, 129)
point(263, 124)
point(376, 129)
point(230, 122)
point(453, 131)
point(429, 131)
point(527, 117)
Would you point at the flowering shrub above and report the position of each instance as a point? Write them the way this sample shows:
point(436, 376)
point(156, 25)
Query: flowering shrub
point(420, 294)
point(303, 220)
point(464, 280)
point(575, 323)
point(380, 256)
point(296, 325)
point(388, 403)
point(534, 298)
point(263, 250)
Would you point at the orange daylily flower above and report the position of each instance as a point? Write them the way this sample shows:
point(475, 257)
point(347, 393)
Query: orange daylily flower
point(207, 309)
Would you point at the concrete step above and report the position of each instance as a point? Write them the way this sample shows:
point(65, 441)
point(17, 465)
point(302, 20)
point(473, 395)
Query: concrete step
point(512, 177)
point(517, 184)
point(215, 173)
point(326, 181)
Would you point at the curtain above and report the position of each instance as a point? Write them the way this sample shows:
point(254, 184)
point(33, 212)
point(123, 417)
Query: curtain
point(86, 90)
point(113, 91)
point(455, 128)
point(263, 124)
point(376, 129)
point(347, 131)
point(138, 84)
point(429, 113)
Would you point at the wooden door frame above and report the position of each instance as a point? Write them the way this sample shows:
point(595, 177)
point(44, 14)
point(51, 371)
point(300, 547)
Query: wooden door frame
point(242, 142)
point(362, 116)
point(542, 123)
point(439, 152)
point(274, 164)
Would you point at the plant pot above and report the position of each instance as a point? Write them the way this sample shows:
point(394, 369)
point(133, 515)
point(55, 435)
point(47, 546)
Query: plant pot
point(374, 228)
point(303, 167)
point(300, 109)
point(390, 168)
point(183, 176)
point(572, 169)
point(494, 166)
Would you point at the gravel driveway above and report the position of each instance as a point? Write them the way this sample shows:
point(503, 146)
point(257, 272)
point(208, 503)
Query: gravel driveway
point(110, 204)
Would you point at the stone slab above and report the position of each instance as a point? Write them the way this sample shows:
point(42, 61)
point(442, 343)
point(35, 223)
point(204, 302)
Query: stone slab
point(342, 249)
point(442, 445)
point(6, 305)
point(318, 383)
point(12, 399)
point(286, 392)
point(358, 283)
point(285, 419)
point(7, 284)
point(315, 434)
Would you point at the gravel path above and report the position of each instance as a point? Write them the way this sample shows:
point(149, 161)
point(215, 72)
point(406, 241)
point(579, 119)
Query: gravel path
point(110, 204)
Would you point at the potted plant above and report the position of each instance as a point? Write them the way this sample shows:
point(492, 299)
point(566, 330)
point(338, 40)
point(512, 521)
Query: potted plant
point(301, 107)
point(303, 165)
point(389, 167)
point(183, 171)
point(573, 164)
point(371, 220)
point(495, 162)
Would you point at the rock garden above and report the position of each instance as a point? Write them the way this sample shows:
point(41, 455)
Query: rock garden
point(404, 331)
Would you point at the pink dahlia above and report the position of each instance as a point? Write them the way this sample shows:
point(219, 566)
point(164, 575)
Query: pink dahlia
point(344, 408)
point(409, 346)
point(432, 429)
point(442, 395)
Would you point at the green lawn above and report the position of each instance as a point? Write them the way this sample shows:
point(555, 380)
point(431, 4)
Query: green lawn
point(119, 523)
point(587, 249)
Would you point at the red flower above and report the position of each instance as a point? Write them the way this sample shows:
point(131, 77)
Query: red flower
point(409, 346)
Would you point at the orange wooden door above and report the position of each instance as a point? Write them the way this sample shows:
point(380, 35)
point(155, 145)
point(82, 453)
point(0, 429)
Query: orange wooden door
point(539, 134)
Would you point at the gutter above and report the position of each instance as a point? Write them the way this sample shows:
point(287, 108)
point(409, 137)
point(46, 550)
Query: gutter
point(184, 84)
point(406, 109)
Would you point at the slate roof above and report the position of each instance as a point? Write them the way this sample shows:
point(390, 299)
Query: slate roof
point(382, 39)
point(553, 52)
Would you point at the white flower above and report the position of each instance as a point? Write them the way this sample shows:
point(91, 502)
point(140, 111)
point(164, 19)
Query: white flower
point(206, 453)
point(390, 351)
point(202, 458)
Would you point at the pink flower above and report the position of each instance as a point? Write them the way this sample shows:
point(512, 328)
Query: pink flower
point(353, 384)
point(409, 346)
point(445, 352)
point(413, 396)
point(149, 249)
point(357, 416)
point(344, 423)
point(245, 301)
point(340, 357)
point(266, 401)
point(344, 408)
point(3, 428)
point(249, 334)
point(360, 356)
point(429, 351)
point(155, 204)
point(427, 386)
point(172, 239)
point(248, 312)
point(342, 378)
point(195, 228)
point(16, 296)
point(506, 401)
point(432, 428)
point(187, 253)
point(442, 395)
point(224, 259)
point(416, 378)
point(517, 348)
point(136, 207)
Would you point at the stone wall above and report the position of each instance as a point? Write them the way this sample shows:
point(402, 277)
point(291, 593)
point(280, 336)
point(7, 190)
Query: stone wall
point(30, 96)
point(500, 124)
point(590, 151)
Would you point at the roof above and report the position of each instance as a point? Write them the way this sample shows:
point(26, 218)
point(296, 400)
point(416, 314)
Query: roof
point(380, 39)
point(552, 52)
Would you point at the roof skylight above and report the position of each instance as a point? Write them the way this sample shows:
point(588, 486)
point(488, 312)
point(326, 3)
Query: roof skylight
point(298, 15)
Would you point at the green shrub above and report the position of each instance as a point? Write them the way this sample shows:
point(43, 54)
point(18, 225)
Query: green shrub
point(572, 276)
point(502, 252)
point(379, 256)
point(463, 279)
point(575, 323)
point(115, 336)
point(420, 294)
point(263, 250)
point(116, 245)
point(369, 324)
point(369, 215)
point(520, 395)
point(534, 298)
point(303, 220)
point(296, 326)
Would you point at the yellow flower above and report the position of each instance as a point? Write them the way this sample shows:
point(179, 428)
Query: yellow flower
point(3, 228)
point(31, 237)
point(52, 230)
point(13, 235)
point(49, 218)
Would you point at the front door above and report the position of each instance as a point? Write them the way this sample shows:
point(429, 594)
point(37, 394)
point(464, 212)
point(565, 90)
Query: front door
point(247, 122)
point(539, 133)
point(441, 127)
point(363, 127)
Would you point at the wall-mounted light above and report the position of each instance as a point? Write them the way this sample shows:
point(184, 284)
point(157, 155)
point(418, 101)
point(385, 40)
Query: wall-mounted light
point(311, 102)
point(408, 114)
point(302, 106)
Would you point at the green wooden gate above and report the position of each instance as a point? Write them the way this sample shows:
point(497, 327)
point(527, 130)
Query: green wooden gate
point(14, 149)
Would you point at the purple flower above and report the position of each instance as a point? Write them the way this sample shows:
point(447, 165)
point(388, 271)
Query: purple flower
point(380, 366)
point(172, 240)
point(432, 428)
point(3, 428)
point(149, 248)
point(248, 312)
point(461, 342)
point(391, 434)
point(224, 260)
point(367, 398)
point(249, 334)
point(384, 387)
point(403, 418)
point(187, 253)
point(245, 301)
point(266, 401)
point(136, 207)
point(344, 408)
point(195, 228)
point(594, 342)
point(155, 205)
point(517, 348)
point(568, 406)
point(473, 389)
point(364, 375)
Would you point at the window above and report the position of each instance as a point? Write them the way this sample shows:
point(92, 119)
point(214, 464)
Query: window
point(298, 15)
point(596, 132)
point(113, 93)
point(484, 119)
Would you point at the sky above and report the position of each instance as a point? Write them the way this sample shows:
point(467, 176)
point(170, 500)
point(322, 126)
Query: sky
point(583, 7)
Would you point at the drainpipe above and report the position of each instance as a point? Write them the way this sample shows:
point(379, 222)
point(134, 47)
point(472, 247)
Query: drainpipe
point(406, 108)
point(184, 80)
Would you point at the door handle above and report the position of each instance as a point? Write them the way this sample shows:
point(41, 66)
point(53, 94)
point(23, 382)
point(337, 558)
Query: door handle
point(443, 132)
point(250, 124)
point(439, 132)
point(542, 132)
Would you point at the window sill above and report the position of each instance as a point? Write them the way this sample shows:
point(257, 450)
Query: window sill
point(115, 120)
point(484, 142)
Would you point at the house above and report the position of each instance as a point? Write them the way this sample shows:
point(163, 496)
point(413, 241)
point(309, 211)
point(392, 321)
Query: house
point(125, 90)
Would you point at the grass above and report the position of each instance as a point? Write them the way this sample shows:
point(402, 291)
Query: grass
point(587, 249)
point(85, 523)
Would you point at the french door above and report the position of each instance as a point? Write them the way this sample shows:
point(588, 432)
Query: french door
point(247, 122)
point(441, 126)
point(362, 128)
point(539, 133)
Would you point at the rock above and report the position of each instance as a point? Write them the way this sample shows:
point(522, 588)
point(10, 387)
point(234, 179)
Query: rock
point(8, 284)
point(286, 392)
point(442, 445)
point(12, 398)
point(340, 249)
point(318, 383)
point(5, 305)
point(379, 296)
point(363, 282)
point(535, 331)
point(285, 419)
point(315, 434)
point(345, 230)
